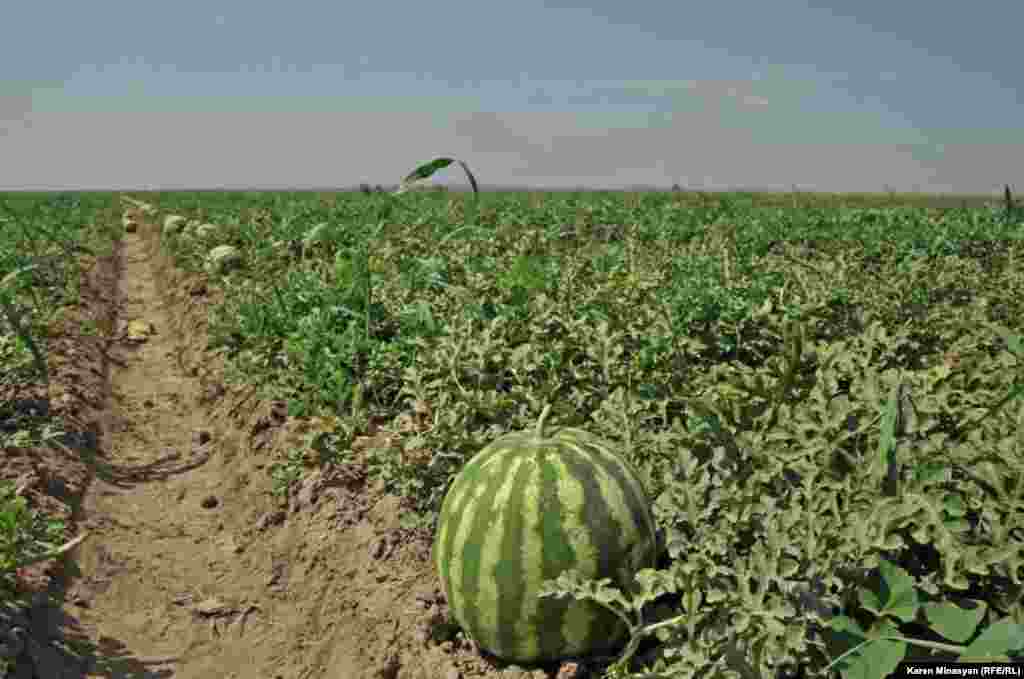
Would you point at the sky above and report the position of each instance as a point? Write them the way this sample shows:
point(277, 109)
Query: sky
point(822, 95)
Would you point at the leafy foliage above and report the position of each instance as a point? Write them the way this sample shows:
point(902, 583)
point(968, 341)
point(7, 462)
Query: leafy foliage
point(823, 399)
point(44, 241)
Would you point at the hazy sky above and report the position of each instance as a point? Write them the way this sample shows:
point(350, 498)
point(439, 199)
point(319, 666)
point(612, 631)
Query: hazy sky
point(828, 95)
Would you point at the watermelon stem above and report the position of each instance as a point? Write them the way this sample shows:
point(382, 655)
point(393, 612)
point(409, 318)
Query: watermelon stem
point(540, 421)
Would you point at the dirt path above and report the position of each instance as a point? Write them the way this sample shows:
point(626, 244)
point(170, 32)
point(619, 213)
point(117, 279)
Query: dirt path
point(191, 569)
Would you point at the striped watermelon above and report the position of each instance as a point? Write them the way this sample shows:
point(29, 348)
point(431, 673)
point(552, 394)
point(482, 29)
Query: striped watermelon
point(526, 508)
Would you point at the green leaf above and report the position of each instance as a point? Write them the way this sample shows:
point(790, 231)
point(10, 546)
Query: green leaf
point(655, 584)
point(878, 659)
point(868, 657)
point(897, 597)
point(1014, 343)
point(954, 505)
point(890, 425)
point(570, 584)
point(929, 471)
point(996, 642)
point(843, 624)
point(953, 622)
point(427, 170)
point(9, 279)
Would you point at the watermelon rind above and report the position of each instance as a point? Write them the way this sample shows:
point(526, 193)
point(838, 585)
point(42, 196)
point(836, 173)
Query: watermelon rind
point(525, 509)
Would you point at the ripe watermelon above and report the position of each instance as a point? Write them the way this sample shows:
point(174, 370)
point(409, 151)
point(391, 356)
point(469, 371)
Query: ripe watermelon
point(526, 508)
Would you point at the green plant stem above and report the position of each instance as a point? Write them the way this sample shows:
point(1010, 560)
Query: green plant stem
point(14, 318)
point(938, 646)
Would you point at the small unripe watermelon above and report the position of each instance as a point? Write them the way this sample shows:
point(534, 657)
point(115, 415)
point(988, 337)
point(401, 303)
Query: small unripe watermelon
point(525, 509)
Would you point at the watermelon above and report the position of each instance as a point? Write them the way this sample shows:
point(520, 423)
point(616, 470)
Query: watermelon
point(526, 508)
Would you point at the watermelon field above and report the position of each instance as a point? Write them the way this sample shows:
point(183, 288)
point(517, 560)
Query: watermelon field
point(723, 435)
